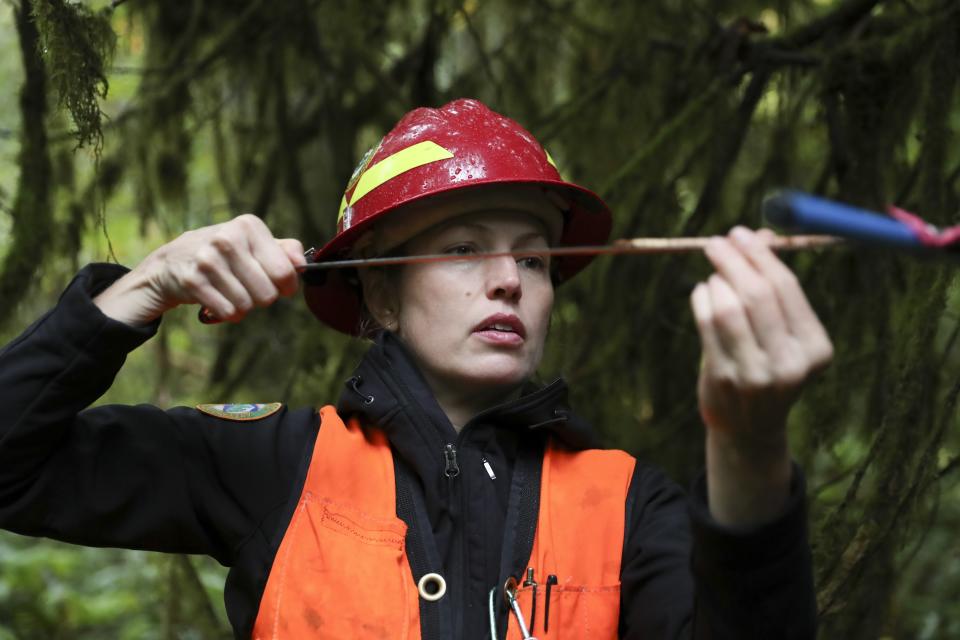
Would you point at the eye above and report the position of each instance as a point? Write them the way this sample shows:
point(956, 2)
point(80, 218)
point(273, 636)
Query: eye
point(462, 249)
point(534, 263)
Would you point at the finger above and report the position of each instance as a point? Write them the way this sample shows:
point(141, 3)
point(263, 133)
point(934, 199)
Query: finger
point(216, 304)
point(215, 269)
point(194, 286)
point(297, 256)
point(233, 241)
point(252, 276)
point(294, 250)
point(259, 261)
point(736, 334)
point(275, 260)
point(756, 293)
point(767, 235)
point(799, 316)
point(703, 315)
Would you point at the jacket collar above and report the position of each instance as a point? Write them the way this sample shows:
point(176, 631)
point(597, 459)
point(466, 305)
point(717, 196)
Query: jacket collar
point(387, 389)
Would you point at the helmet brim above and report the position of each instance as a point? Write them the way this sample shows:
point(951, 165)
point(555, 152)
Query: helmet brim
point(334, 296)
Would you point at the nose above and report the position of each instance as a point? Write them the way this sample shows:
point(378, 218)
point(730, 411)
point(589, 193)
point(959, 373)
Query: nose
point(503, 279)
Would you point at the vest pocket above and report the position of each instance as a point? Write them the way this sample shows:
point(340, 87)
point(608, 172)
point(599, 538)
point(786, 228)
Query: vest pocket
point(575, 612)
point(342, 573)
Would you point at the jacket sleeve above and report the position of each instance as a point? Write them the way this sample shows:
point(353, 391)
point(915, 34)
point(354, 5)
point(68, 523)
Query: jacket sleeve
point(685, 576)
point(129, 476)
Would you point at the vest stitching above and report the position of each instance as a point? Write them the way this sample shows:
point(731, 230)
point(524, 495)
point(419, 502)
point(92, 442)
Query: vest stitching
point(392, 539)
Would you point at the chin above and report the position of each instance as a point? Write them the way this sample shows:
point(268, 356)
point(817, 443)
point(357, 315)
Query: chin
point(499, 371)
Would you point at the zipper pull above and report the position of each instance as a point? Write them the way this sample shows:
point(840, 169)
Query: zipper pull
point(486, 465)
point(451, 469)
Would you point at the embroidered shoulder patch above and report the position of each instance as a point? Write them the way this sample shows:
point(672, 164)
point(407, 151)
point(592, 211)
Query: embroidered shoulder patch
point(240, 412)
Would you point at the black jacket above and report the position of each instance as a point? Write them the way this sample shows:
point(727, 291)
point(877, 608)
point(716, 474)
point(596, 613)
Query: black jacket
point(182, 481)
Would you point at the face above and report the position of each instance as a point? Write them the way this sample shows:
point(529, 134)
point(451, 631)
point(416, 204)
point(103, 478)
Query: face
point(477, 325)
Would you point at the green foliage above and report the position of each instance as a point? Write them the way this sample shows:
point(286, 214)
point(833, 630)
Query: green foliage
point(683, 119)
point(77, 46)
point(127, 595)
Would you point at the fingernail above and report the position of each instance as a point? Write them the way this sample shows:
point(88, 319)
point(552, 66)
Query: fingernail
point(741, 235)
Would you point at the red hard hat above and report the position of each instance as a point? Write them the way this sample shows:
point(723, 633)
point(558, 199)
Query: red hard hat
point(461, 146)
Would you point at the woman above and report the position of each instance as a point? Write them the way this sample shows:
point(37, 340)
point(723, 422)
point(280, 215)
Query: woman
point(444, 496)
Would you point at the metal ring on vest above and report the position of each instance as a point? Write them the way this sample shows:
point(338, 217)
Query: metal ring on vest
point(432, 586)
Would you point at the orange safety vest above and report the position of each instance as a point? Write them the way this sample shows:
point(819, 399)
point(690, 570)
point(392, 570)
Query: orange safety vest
point(342, 572)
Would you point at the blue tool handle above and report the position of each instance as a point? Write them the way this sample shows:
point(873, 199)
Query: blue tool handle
point(801, 212)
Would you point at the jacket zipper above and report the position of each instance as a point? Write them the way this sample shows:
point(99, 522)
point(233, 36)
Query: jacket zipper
point(451, 469)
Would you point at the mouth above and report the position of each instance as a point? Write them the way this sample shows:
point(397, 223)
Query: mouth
point(502, 323)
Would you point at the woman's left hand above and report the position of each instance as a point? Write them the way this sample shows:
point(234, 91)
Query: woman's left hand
point(761, 342)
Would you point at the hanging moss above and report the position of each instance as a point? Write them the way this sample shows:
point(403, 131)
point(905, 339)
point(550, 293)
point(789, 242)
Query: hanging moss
point(77, 45)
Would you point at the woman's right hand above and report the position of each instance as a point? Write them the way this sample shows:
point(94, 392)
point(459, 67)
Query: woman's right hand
point(228, 268)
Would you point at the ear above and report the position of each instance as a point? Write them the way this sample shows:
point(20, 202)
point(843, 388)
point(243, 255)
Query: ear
point(380, 297)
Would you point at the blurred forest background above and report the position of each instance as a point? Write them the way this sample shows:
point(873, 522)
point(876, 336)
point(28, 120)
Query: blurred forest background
point(123, 124)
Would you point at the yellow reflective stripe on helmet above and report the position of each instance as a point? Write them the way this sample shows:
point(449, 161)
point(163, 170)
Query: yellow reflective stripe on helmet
point(410, 158)
point(343, 207)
